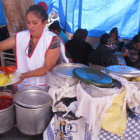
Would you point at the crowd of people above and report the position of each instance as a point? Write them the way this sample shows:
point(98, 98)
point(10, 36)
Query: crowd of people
point(112, 50)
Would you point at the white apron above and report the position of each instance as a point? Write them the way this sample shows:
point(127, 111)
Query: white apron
point(27, 63)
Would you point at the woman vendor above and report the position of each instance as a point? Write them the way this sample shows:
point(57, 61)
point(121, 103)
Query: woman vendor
point(37, 50)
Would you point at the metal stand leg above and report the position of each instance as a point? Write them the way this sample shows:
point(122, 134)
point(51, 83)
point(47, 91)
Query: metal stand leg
point(2, 59)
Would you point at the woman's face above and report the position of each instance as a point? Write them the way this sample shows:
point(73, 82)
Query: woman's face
point(35, 24)
point(113, 35)
point(137, 46)
point(109, 42)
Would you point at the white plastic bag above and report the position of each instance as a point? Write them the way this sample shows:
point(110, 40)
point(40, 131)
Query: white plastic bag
point(61, 87)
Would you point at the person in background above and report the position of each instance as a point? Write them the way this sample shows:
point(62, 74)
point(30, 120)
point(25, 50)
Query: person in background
point(117, 45)
point(55, 28)
point(117, 42)
point(37, 50)
point(77, 49)
point(133, 56)
point(104, 55)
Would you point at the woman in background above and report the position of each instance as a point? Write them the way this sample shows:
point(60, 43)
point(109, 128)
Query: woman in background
point(117, 42)
point(55, 28)
point(103, 55)
point(77, 49)
point(118, 46)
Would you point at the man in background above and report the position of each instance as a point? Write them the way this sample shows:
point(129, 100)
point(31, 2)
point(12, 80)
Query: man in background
point(55, 28)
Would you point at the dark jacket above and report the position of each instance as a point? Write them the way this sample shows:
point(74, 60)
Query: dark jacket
point(129, 58)
point(103, 56)
point(78, 51)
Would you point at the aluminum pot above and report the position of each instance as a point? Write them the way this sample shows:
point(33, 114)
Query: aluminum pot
point(7, 116)
point(32, 121)
point(33, 111)
point(63, 73)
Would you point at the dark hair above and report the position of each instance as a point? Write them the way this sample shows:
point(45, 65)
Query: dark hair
point(136, 39)
point(39, 11)
point(115, 31)
point(55, 26)
point(105, 38)
point(80, 34)
point(44, 5)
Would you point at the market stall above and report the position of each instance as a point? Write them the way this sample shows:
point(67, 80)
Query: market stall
point(87, 104)
point(100, 110)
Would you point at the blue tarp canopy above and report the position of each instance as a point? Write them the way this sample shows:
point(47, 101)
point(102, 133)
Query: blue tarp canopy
point(2, 16)
point(96, 16)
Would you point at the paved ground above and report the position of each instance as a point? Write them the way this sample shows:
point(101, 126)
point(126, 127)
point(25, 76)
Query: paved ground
point(15, 134)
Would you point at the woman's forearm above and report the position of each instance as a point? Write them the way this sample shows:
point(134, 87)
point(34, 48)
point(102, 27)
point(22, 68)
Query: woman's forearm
point(35, 73)
point(7, 44)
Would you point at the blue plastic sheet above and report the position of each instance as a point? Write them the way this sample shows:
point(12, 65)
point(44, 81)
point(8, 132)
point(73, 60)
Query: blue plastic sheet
point(2, 15)
point(97, 16)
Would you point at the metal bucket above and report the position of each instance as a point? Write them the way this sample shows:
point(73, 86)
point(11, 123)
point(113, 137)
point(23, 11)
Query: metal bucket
point(33, 111)
point(32, 121)
point(7, 116)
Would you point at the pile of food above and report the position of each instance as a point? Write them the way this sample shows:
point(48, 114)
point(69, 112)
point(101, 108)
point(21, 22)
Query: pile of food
point(4, 79)
point(133, 79)
point(5, 101)
point(6, 74)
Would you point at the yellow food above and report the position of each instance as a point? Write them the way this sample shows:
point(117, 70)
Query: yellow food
point(11, 76)
point(136, 79)
point(133, 80)
point(4, 80)
point(128, 78)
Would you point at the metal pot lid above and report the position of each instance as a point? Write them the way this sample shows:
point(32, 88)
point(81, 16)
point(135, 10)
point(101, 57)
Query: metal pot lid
point(124, 71)
point(93, 76)
point(90, 89)
point(114, 84)
point(33, 98)
point(65, 70)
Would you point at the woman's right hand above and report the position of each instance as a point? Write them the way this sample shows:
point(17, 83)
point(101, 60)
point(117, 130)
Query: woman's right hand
point(125, 52)
point(21, 78)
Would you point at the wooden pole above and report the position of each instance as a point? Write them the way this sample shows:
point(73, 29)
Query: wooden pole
point(66, 15)
point(15, 11)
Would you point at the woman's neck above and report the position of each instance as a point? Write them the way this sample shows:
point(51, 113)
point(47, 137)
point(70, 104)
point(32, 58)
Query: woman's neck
point(34, 41)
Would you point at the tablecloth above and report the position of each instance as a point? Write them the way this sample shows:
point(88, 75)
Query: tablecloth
point(132, 132)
